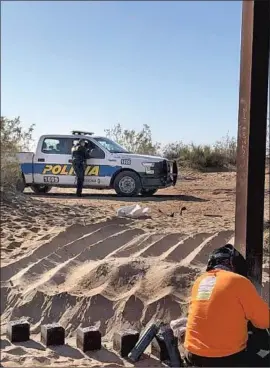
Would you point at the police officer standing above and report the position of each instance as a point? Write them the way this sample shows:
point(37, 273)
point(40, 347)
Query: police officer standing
point(80, 154)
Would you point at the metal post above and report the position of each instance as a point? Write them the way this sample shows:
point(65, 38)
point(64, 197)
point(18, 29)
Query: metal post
point(249, 213)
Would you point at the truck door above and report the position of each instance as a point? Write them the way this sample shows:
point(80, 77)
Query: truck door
point(95, 167)
point(52, 162)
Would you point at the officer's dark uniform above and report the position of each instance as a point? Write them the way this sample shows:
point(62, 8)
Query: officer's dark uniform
point(79, 156)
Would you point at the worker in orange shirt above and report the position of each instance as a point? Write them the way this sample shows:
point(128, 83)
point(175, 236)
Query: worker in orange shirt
point(223, 301)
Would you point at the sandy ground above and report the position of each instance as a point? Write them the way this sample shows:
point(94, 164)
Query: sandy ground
point(73, 261)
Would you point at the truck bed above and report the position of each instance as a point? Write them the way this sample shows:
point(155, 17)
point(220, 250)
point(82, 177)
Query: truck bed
point(26, 160)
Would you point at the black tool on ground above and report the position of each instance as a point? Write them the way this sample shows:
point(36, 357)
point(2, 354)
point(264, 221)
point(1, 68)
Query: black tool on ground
point(166, 334)
point(159, 348)
point(145, 339)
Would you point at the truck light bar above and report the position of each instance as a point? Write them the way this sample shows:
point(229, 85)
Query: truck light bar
point(79, 132)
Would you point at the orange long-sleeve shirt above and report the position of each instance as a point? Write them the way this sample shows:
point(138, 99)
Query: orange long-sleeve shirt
point(222, 303)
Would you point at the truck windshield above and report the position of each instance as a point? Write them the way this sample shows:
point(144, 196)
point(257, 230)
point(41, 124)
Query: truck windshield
point(110, 145)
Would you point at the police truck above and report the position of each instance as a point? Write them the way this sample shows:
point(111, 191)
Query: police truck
point(110, 167)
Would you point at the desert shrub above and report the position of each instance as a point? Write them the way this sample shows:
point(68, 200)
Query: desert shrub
point(136, 142)
point(176, 150)
point(221, 155)
point(227, 147)
point(14, 138)
point(218, 156)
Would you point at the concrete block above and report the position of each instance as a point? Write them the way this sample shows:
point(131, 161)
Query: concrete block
point(52, 334)
point(18, 331)
point(124, 341)
point(88, 339)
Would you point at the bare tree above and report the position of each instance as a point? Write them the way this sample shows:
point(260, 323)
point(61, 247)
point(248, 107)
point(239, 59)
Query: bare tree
point(14, 138)
point(136, 142)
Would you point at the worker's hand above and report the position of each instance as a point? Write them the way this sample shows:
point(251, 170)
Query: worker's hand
point(179, 328)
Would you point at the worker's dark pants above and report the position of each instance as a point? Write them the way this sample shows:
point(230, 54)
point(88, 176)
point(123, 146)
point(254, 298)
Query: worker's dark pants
point(242, 359)
point(258, 340)
point(79, 172)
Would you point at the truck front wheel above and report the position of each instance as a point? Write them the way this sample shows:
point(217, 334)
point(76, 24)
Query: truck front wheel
point(40, 189)
point(127, 184)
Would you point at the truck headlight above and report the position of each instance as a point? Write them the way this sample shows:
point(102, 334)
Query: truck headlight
point(149, 167)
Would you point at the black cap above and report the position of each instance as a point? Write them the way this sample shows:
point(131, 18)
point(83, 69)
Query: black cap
point(229, 257)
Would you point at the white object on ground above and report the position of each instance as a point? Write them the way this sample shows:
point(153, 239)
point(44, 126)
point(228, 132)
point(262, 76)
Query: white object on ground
point(135, 211)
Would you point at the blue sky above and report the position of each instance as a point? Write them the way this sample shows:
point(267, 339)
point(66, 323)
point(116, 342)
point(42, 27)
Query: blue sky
point(89, 65)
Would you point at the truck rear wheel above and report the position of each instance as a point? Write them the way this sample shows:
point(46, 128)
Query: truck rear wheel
point(20, 184)
point(127, 184)
point(40, 189)
point(148, 192)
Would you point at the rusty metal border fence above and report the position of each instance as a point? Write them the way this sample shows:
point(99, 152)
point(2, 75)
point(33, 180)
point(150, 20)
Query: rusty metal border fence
point(252, 122)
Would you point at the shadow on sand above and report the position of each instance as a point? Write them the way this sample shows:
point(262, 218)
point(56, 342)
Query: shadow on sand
point(105, 356)
point(67, 351)
point(31, 344)
point(114, 197)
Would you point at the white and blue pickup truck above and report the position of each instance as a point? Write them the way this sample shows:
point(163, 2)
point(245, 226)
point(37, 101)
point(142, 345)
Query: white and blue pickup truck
point(110, 167)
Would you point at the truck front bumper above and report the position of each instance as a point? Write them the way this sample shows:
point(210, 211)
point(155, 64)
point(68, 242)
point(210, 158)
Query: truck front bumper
point(164, 175)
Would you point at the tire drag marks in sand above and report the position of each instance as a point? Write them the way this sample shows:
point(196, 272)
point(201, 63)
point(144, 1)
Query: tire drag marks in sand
point(71, 251)
point(72, 234)
point(201, 253)
point(51, 271)
point(162, 245)
point(103, 249)
point(138, 246)
point(99, 251)
point(184, 247)
point(71, 311)
point(102, 273)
